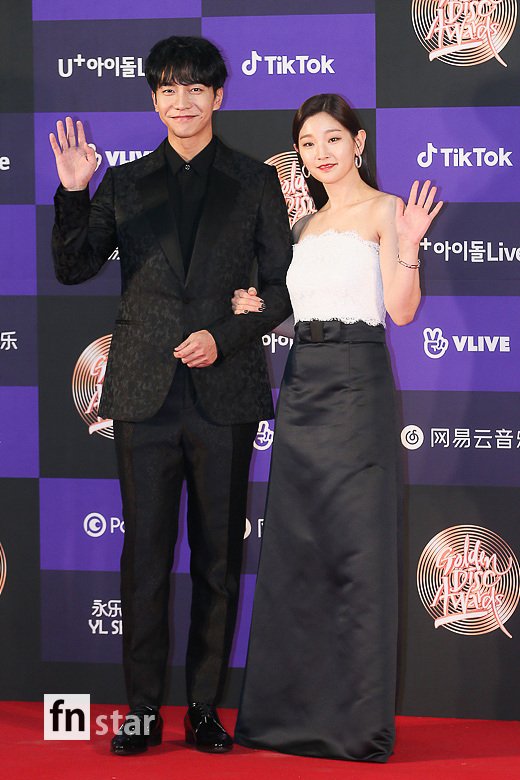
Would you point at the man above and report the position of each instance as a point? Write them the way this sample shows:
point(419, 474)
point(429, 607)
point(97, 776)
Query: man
point(186, 380)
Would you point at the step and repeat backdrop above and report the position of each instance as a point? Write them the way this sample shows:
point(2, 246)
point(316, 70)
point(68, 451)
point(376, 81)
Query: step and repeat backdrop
point(436, 85)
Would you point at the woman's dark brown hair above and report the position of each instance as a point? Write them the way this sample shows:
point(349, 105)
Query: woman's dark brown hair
point(337, 107)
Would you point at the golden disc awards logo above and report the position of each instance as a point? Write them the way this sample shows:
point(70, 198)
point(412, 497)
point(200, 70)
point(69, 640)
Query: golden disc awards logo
point(3, 568)
point(468, 580)
point(294, 187)
point(87, 385)
point(464, 32)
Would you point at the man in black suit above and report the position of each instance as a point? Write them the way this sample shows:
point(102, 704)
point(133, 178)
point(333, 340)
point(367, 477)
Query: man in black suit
point(186, 380)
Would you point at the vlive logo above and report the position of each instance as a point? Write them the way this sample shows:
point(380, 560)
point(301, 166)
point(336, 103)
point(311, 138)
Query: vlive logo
point(282, 65)
point(264, 436)
point(119, 156)
point(5, 163)
point(458, 157)
point(436, 345)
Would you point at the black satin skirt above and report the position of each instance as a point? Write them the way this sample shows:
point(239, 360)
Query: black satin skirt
point(321, 670)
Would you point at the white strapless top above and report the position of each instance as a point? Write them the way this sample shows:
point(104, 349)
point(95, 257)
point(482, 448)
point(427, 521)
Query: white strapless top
point(336, 276)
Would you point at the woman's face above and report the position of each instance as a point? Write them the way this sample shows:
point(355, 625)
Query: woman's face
point(327, 148)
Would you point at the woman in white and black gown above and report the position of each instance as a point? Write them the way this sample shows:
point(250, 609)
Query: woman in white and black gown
point(321, 670)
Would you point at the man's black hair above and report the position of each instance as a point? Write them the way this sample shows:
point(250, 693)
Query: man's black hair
point(185, 60)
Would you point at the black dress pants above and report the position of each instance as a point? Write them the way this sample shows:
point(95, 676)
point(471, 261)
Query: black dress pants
point(154, 457)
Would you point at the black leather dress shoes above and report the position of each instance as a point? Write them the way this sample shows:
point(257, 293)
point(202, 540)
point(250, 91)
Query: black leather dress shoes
point(141, 729)
point(204, 729)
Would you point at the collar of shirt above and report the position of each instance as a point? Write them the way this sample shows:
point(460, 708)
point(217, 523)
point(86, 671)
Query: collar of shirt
point(201, 163)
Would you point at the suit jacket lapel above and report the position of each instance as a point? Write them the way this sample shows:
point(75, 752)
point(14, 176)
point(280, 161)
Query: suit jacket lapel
point(220, 198)
point(153, 187)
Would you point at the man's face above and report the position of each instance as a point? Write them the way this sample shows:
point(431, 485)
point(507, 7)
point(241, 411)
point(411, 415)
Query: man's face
point(187, 109)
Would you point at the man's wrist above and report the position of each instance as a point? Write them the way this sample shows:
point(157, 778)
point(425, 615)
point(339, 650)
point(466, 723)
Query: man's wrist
point(220, 355)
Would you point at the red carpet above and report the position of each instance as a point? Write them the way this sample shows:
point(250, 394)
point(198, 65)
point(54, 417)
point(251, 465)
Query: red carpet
point(427, 749)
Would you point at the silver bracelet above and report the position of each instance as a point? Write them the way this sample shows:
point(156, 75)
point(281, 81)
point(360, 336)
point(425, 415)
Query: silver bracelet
point(407, 265)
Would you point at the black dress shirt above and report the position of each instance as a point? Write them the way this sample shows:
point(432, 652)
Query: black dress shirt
point(187, 186)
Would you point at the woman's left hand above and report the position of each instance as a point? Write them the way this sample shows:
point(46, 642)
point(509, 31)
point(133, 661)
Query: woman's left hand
point(245, 301)
point(413, 221)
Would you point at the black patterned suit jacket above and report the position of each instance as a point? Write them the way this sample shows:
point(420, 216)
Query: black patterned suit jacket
point(243, 225)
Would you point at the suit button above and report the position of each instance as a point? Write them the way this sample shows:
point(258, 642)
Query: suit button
point(186, 299)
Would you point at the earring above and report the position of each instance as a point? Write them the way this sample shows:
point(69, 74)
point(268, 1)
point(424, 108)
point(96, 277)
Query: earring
point(306, 175)
point(358, 160)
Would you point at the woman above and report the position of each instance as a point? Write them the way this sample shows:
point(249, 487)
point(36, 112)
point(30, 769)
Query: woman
point(320, 677)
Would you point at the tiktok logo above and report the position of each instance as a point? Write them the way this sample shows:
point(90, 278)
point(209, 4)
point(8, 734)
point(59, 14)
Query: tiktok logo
point(458, 157)
point(249, 66)
point(282, 65)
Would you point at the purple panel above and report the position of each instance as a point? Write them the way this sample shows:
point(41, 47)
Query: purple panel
point(18, 255)
point(335, 53)
point(261, 458)
point(473, 154)
point(19, 432)
point(16, 158)
point(467, 438)
point(118, 139)
point(97, 67)
point(254, 526)
point(46, 10)
point(18, 360)
point(181, 561)
point(465, 343)
point(82, 526)
point(271, 7)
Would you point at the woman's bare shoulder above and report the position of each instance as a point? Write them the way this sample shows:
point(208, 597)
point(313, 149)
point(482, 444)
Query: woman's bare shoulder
point(384, 208)
point(385, 201)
